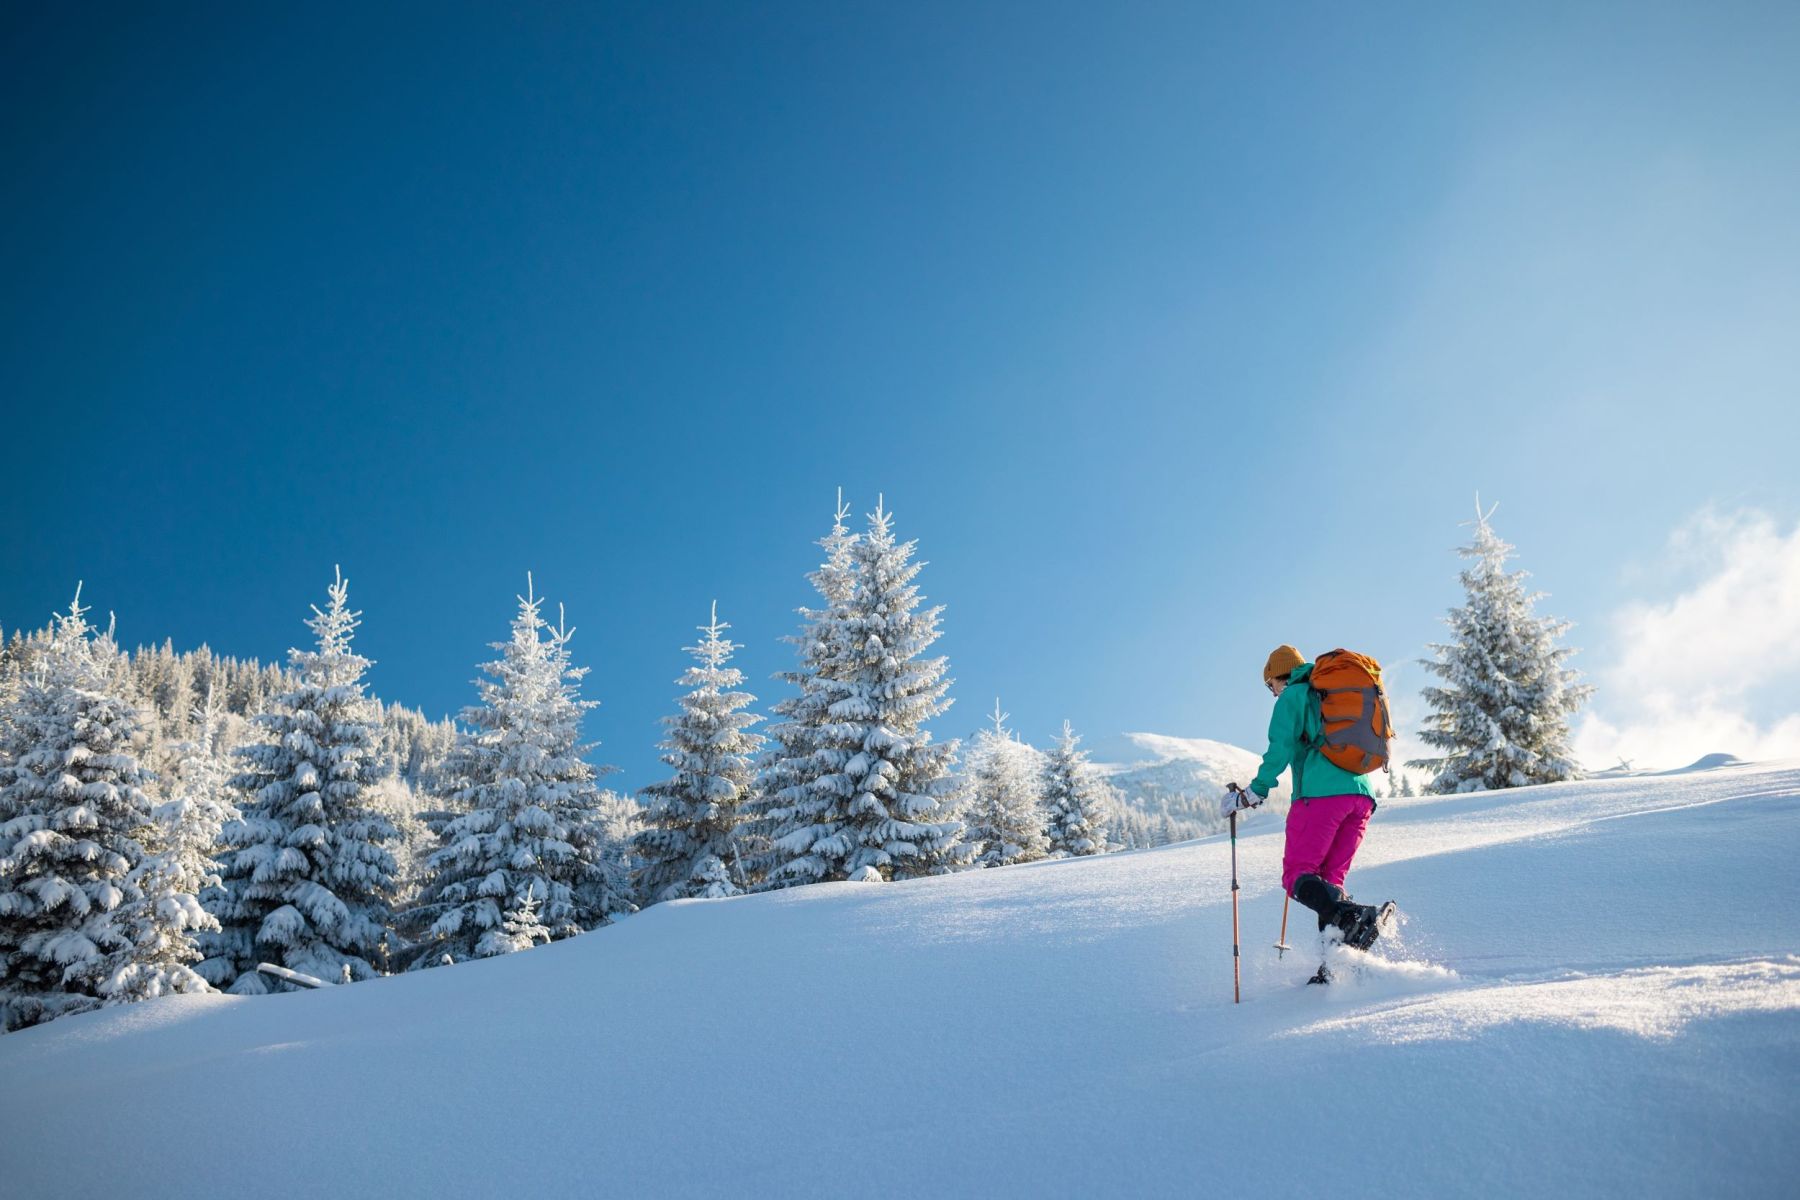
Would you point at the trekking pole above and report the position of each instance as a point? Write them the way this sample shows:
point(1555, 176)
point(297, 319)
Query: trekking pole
point(1240, 799)
point(1281, 947)
point(1237, 996)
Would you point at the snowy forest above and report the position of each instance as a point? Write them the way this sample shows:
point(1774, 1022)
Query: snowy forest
point(179, 821)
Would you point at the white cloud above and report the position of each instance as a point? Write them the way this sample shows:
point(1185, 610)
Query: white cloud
point(1689, 669)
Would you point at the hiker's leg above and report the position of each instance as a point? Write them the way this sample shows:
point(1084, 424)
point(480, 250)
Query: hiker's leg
point(1310, 828)
point(1326, 899)
point(1353, 822)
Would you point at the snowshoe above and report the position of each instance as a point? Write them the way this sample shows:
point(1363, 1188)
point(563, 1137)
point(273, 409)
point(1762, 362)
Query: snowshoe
point(1367, 923)
point(1322, 975)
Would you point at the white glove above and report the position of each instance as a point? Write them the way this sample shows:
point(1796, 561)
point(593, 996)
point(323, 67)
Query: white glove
point(1236, 799)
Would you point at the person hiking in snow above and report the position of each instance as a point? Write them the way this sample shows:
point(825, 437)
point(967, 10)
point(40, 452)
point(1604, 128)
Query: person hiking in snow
point(1331, 726)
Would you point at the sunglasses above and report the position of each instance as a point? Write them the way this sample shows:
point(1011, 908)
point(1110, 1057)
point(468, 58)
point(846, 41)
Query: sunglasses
point(1270, 684)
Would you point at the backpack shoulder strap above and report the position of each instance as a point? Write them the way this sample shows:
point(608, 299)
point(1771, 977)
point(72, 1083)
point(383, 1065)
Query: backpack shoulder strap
point(1312, 736)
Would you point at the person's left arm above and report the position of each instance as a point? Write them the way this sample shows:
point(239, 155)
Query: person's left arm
point(1284, 739)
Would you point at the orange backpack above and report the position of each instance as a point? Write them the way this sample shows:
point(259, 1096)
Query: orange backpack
point(1354, 709)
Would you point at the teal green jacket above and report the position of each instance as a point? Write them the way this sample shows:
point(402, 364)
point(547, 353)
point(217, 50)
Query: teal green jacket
point(1294, 726)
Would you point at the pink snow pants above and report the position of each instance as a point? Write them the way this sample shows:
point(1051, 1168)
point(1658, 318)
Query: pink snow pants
point(1323, 833)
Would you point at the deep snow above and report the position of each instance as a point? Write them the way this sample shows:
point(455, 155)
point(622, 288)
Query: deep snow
point(1596, 991)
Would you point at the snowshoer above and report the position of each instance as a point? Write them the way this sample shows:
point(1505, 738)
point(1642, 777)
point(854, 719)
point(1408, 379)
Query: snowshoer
point(1331, 803)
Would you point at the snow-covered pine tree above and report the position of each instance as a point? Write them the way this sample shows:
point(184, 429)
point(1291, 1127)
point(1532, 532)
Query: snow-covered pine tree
point(415, 841)
point(855, 780)
point(620, 818)
point(89, 914)
point(162, 919)
point(1501, 718)
point(1004, 809)
point(689, 845)
point(896, 784)
point(603, 891)
point(528, 821)
point(178, 872)
point(201, 804)
point(798, 800)
point(308, 873)
point(1076, 798)
point(521, 927)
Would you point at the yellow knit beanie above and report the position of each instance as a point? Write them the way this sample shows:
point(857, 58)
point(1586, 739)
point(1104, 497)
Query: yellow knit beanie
point(1282, 662)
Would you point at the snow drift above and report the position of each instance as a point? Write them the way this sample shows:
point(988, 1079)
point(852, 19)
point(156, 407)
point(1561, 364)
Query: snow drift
point(1596, 991)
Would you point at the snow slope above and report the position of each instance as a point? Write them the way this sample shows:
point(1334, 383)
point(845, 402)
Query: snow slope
point(1597, 993)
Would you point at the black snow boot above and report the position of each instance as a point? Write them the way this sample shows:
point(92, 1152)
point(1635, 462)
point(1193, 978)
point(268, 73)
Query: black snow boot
point(1326, 899)
point(1358, 924)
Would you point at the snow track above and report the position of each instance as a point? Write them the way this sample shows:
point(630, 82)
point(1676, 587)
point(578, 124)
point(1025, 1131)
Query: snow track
point(1596, 991)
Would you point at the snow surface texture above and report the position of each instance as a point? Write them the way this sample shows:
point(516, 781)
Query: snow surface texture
point(1596, 991)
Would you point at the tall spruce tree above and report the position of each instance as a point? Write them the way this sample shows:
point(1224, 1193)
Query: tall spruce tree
point(527, 852)
point(1077, 799)
point(307, 871)
point(857, 787)
point(90, 913)
point(799, 790)
point(1501, 717)
point(201, 802)
point(1004, 806)
point(603, 890)
point(896, 783)
point(689, 846)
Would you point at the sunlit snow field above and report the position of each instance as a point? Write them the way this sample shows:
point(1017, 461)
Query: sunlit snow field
point(1596, 990)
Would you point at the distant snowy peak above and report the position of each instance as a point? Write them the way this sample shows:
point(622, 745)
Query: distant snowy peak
point(1165, 749)
point(1178, 766)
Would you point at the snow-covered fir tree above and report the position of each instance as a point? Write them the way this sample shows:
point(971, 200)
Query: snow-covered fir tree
point(1004, 807)
point(528, 826)
point(1501, 718)
point(886, 807)
point(308, 873)
point(603, 890)
point(201, 802)
point(798, 783)
point(521, 927)
point(712, 880)
point(415, 840)
point(900, 781)
point(621, 819)
point(689, 845)
point(1077, 800)
point(163, 917)
point(91, 912)
point(171, 690)
point(855, 780)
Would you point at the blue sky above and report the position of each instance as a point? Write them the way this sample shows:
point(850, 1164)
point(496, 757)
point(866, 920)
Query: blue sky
point(1171, 332)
